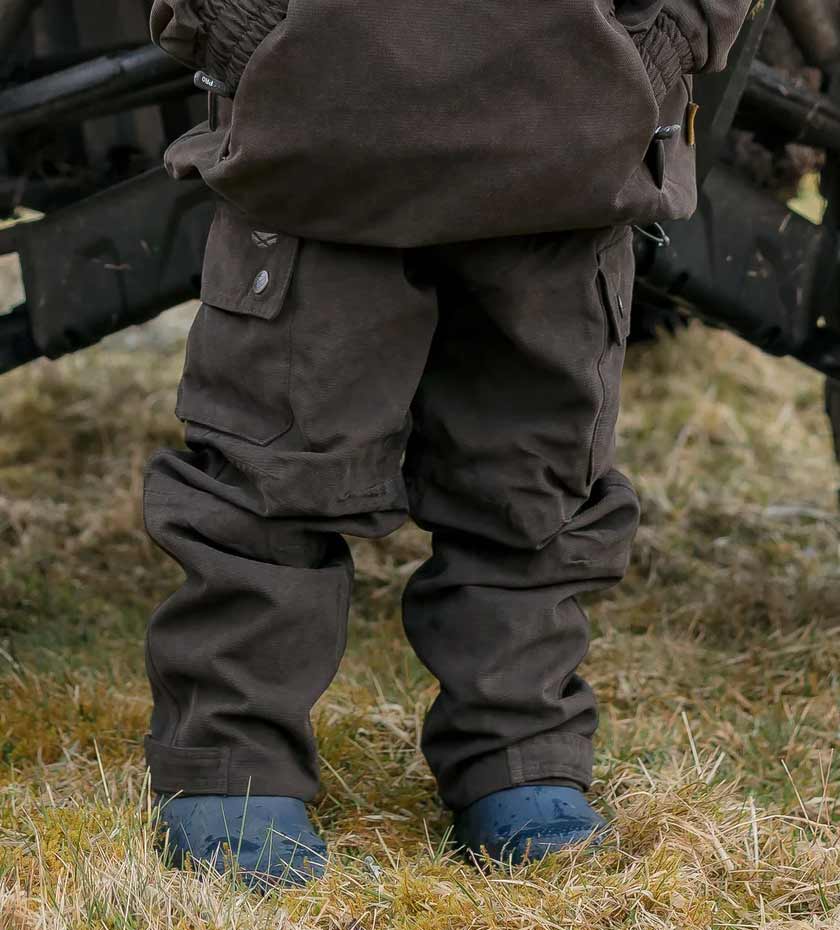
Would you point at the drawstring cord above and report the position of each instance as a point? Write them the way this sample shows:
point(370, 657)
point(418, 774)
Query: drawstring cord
point(656, 234)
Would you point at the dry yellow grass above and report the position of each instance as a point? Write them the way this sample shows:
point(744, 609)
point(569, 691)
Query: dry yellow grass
point(718, 663)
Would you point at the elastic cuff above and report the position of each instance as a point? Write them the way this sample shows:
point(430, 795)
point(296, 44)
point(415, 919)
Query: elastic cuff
point(188, 771)
point(564, 756)
point(666, 54)
point(178, 30)
point(234, 32)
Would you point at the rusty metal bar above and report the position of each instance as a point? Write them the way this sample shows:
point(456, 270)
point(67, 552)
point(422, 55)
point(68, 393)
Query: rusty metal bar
point(771, 98)
point(816, 26)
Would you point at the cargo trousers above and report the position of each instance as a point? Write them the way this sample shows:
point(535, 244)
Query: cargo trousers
point(337, 390)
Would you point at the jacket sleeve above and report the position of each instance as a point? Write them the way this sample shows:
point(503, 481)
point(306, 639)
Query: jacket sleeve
point(677, 37)
point(215, 35)
point(177, 28)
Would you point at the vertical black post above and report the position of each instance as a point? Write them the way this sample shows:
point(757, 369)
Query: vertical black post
point(720, 94)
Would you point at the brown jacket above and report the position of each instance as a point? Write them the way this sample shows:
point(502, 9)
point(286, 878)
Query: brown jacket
point(427, 121)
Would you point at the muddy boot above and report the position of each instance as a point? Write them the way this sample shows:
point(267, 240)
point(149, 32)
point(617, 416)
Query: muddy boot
point(270, 839)
point(527, 823)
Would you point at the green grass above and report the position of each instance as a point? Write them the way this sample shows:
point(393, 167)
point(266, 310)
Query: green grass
point(717, 663)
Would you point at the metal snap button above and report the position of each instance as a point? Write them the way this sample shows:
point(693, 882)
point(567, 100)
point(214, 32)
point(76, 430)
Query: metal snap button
point(261, 282)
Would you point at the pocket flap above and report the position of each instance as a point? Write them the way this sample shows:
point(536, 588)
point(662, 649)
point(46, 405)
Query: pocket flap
point(246, 270)
point(615, 278)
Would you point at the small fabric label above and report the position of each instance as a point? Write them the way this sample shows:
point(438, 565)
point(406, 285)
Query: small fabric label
point(204, 81)
point(264, 240)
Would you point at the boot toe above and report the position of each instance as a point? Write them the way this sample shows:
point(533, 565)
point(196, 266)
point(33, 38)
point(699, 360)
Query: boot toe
point(528, 823)
point(268, 840)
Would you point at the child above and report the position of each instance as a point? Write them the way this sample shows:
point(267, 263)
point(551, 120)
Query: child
point(416, 299)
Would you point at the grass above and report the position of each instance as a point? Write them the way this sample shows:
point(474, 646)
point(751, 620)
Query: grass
point(717, 662)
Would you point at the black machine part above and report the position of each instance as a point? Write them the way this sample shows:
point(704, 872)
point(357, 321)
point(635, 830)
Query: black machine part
point(748, 264)
point(113, 260)
point(92, 88)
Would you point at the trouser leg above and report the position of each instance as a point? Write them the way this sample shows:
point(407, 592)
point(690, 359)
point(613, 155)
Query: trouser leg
point(297, 409)
point(510, 467)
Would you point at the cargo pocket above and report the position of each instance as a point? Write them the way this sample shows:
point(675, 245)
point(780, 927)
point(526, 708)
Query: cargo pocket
point(679, 194)
point(615, 292)
point(239, 353)
point(672, 161)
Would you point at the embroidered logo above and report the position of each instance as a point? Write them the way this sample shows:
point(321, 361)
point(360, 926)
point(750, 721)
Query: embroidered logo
point(264, 240)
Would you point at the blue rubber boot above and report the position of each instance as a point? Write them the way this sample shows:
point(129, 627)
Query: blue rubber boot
point(270, 839)
point(527, 823)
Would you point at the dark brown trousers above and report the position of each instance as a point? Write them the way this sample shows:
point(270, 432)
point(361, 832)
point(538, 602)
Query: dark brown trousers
point(334, 390)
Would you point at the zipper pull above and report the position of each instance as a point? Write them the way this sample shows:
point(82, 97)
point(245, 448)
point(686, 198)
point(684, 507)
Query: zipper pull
point(667, 132)
point(215, 89)
point(204, 81)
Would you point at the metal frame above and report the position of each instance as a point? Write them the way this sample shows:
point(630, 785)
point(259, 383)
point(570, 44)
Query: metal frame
point(745, 261)
point(112, 260)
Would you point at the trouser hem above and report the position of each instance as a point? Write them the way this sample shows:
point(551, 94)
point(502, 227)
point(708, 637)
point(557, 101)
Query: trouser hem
point(567, 756)
point(220, 770)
